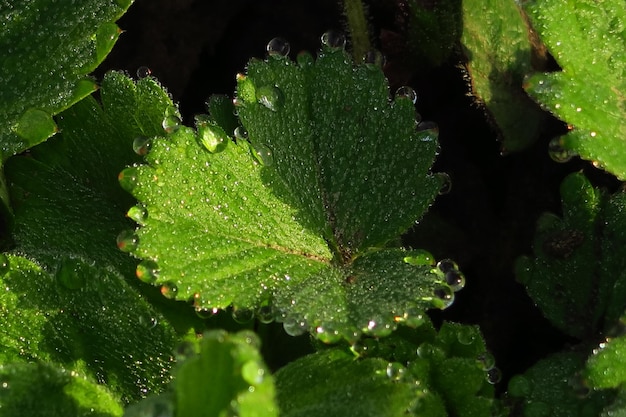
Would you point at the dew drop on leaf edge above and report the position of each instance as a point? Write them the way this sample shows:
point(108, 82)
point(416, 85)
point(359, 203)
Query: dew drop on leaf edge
point(147, 271)
point(127, 241)
point(141, 145)
point(242, 315)
point(406, 92)
point(278, 48)
point(4, 264)
point(143, 72)
point(334, 39)
point(271, 97)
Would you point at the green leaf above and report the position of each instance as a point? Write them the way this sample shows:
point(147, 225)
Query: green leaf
point(498, 50)
point(605, 367)
point(588, 41)
point(49, 51)
point(576, 276)
point(39, 389)
point(333, 383)
point(552, 387)
point(226, 375)
point(299, 217)
point(86, 319)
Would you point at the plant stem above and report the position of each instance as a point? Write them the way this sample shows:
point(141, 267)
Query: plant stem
point(357, 24)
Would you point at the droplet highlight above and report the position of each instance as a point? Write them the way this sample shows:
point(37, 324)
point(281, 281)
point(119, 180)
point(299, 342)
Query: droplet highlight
point(127, 241)
point(147, 271)
point(138, 213)
point(278, 48)
point(333, 39)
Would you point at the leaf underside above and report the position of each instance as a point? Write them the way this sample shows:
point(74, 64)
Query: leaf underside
point(295, 218)
point(588, 41)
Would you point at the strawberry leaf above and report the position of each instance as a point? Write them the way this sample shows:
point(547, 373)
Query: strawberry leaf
point(588, 41)
point(297, 218)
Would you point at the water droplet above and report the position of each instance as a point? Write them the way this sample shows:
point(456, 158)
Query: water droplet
point(72, 273)
point(127, 241)
point(446, 183)
point(374, 58)
point(171, 120)
point(263, 155)
point(379, 327)
point(141, 145)
point(444, 297)
point(241, 133)
point(537, 409)
point(265, 314)
point(169, 290)
point(205, 313)
point(147, 271)
point(334, 39)
point(455, 279)
point(557, 152)
point(494, 375)
point(147, 321)
point(4, 264)
point(396, 371)
point(427, 125)
point(128, 178)
point(446, 265)
point(486, 361)
point(327, 335)
point(143, 72)
point(520, 386)
point(242, 315)
point(271, 97)
point(250, 338)
point(138, 214)
point(466, 335)
point(212, 137)
point(252, 373)
point(413, 317)
point(420, 257)
point(406, 92)
point(278, 48)
point(295, 327)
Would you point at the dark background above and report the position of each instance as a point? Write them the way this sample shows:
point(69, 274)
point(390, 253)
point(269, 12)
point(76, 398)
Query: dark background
point(195, 48)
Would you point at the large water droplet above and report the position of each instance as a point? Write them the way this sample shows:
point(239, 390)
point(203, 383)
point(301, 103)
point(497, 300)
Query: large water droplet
point(396, 371)
point(147, 271)
point(265, 314)
point(252, 372)
point(455, 279)
point(466, 335)
point(138, 213)
point(557, 152)
point(143, 72)
point(242, 315)
point(328, 335)
point(263, 154)
point(169, 290)
point(446, 265)
point(494, 375)
point(212, 137)
point(413, 317)
point(72, 273)
point(147, 321)
point(334, 39)
point(380, 327)
point(406, 92)
point(271, 97)
point(128, 178)
point(141, 145)
point(171, 120)
point(127, 241)
point(278, 48)
point(486, 361)
point(4, 264)
point(444, 297)
point(294, 327)
point(374, 59)
point(241, 133)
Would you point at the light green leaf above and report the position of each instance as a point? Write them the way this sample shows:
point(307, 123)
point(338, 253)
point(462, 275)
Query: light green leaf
point(40, 389)
point(86, 319)
point(498, 49)
point(298, 218)
point(606, 367)
point(588, 41)
point(49, 50)
point(553, 388)
point(576, 276)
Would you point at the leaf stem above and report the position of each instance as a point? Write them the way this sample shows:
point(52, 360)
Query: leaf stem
point(357, 24)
